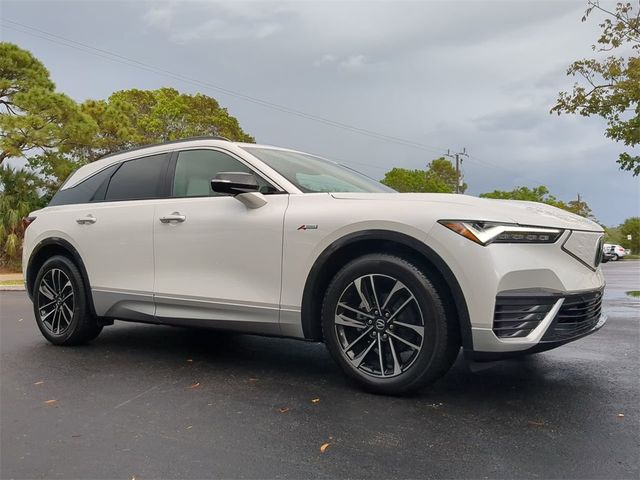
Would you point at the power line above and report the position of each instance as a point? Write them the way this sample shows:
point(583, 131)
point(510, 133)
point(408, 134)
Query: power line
point(118, 58)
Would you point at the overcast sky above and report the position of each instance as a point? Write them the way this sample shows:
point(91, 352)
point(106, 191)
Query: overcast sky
point(476, 74)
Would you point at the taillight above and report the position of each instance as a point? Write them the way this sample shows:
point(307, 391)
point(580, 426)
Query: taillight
point(26, 221)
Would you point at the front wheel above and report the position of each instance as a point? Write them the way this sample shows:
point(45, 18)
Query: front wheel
point(385, 325)
point(615, 257)
point(60, 304)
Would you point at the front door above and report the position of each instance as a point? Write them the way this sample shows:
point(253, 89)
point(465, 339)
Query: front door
point(217, 262)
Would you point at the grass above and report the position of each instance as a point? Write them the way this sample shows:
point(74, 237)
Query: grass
point(632, 257)
point(634, 293)
point(11, 283)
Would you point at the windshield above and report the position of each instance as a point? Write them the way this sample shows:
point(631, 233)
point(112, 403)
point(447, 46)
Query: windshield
point(314, 174)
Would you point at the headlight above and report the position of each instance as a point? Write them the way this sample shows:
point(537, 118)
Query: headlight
point(485, 233)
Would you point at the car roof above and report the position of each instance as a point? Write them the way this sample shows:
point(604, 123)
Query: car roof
point(94, 167)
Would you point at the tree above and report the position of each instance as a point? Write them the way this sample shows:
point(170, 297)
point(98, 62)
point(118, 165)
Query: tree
point(130, 118)
point(631, 226)
point(34, 119)
point(18, 196)
point(439, 177)
point(541, 194)
point(610, 87)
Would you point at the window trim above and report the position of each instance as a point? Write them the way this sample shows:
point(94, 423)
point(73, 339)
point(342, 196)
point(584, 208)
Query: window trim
point(171, 172)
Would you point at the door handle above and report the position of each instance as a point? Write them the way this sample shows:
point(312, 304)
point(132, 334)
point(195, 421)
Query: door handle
point(87, 220)
point(174, 217)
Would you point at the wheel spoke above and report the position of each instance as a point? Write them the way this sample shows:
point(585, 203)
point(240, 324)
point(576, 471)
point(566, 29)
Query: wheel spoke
point(364, 334)
point(355, 310)
point(357, 360)
point(46, 290)
point(67, 315)
point(397, 370)
point(375, 294)
point(43, 318)
point(419, 329)
point(401, 307)
point(44, 307)
point(358, 284)
point(396, 288)
point(380, 356)
point(345, 321)
point(406, 342)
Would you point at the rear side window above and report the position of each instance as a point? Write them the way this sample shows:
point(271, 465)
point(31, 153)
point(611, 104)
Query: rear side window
point(90, 190)
point(196, 168)
point(138, 179)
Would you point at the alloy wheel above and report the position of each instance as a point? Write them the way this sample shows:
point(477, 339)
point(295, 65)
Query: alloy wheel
point(379, 325)
point(56, 301)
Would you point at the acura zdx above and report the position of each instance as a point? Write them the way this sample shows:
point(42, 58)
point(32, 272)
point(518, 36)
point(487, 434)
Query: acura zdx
point(210, 233)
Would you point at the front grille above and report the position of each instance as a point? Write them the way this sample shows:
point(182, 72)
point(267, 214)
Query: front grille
point(579, 314)
point(517, 316)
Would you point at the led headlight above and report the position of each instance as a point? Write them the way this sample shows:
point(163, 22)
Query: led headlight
point(485, 233)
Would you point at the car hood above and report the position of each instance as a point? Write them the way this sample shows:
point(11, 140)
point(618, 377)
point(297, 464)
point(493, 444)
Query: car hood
point(465, 207)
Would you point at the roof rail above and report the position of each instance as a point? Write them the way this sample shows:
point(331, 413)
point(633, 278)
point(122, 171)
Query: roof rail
point(170, 142)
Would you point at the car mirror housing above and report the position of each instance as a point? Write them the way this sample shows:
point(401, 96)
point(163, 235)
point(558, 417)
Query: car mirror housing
point(234, 183)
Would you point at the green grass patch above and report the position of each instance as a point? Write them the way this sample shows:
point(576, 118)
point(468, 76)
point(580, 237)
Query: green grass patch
point(11, 283)
point(634, 293)
point(632, 257)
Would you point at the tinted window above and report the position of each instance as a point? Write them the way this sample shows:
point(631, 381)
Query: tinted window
point(90, 190)
point(138, 179)
point(196, 168)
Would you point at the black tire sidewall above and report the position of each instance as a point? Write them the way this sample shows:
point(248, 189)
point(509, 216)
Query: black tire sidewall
point(80, 304)
point(427, 366)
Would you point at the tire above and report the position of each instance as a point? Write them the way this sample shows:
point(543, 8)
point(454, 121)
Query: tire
point(410, 311)
point(615, 257)
point(60, 304)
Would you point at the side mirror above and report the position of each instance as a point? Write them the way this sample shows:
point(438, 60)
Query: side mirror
point(234, 183)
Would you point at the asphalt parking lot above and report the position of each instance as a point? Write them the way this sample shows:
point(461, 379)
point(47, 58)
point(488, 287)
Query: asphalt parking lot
point(148, 402)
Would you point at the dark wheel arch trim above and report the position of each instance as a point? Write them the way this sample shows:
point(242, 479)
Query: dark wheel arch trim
point(75, 256)
point(311, 285)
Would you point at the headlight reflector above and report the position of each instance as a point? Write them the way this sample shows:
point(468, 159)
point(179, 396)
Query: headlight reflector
point(485, 233)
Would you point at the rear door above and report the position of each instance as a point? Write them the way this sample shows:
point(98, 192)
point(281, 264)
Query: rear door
point(114, 235)
point(217, 262)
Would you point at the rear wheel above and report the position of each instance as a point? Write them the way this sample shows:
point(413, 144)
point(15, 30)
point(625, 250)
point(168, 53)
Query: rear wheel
point(615, 257)
point(60, 304)
point(385, 325)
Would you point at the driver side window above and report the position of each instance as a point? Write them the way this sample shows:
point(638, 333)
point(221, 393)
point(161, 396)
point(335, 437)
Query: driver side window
point(196, 168)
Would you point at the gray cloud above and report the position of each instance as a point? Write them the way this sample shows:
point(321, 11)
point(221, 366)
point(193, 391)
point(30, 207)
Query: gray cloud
point(480, 74)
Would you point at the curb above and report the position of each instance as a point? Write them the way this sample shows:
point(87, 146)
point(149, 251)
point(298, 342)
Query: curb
point(12, 288)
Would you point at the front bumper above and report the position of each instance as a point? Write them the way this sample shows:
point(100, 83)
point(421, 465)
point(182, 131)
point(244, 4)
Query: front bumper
point(566, 318)
point(487, 273)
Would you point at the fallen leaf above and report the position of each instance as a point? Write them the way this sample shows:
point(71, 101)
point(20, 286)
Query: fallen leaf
point(620, 415)
point(284, 409)
point(536, 424)
point(315, 400)
point(39, 382)
point(50, 402)
point(20, 319)
point(195, 385)
point(323, 447)
point(189, 427)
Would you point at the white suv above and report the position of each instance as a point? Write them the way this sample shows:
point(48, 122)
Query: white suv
point(210, 233)
point(616, 252)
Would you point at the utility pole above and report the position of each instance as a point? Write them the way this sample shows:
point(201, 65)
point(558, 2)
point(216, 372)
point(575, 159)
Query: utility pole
point(458, 158)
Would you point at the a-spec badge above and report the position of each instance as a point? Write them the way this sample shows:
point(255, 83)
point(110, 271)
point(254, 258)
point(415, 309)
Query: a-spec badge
point(308, 227)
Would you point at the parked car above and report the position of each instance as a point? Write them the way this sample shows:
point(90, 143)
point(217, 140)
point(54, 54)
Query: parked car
point(607, 256)
point(253, 238)
point(617, 252)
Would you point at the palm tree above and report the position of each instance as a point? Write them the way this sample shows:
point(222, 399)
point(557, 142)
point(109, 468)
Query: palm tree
point(19, 195)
